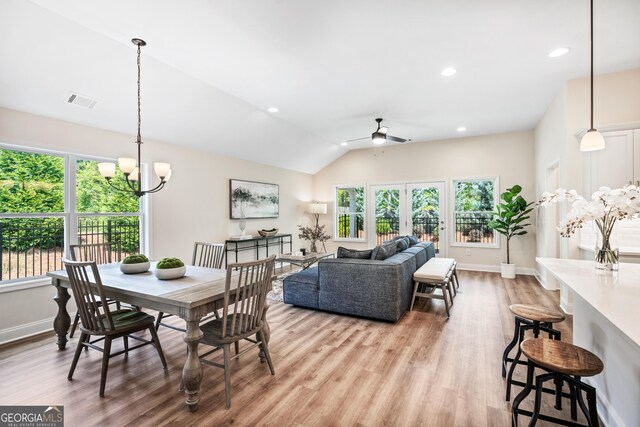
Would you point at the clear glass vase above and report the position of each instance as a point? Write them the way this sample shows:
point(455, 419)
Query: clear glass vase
point(607, 258)
point(313, 247)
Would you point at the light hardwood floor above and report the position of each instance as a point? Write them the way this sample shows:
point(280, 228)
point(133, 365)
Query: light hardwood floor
point(330, 369)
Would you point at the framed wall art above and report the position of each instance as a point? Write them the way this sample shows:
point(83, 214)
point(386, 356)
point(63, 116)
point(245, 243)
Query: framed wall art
point(249, 199)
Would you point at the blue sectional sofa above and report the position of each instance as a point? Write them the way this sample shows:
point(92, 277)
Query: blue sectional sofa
point(359, 287)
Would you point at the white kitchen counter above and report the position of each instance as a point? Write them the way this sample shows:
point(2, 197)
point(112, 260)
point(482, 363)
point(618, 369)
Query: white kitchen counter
point(606, 321)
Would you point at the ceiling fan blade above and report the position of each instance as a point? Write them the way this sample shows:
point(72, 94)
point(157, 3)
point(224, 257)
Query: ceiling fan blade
point(358, 139)
point(396, 139)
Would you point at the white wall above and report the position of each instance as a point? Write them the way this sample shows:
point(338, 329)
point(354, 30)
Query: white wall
point(616, 102)
point(193, 206)
point(508, 156)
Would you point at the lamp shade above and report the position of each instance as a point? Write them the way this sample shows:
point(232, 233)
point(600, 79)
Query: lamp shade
point(318, 208)
point(134, 175)
point(592, 141)
point(161, 169)
point(126, 164)
point(107, 170)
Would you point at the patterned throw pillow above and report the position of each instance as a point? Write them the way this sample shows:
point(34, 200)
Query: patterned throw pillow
point(352, 253)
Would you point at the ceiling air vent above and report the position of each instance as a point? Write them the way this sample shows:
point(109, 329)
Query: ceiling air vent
point(81, 101)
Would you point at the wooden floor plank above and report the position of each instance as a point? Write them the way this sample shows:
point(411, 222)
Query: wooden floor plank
point(331, 370)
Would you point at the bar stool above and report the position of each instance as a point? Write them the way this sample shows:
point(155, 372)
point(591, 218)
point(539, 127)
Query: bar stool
point(563, 362)
point(527, 317)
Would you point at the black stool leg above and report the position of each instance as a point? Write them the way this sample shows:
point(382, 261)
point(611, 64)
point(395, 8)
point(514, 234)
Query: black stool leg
point(593, 408)
point(513, 365)
point(538, 402)
point(574, 409)
point(510, 346)
point(524, 393)
point(558, 383)
point(583, 407)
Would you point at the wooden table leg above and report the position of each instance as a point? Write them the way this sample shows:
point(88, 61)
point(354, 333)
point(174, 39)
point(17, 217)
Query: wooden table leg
point(192, 371)
point(266, 330)
point(62, 321)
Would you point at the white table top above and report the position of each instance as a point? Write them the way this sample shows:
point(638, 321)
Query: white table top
point(616, 295)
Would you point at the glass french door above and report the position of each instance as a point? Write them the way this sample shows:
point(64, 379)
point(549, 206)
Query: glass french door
point(400, 209)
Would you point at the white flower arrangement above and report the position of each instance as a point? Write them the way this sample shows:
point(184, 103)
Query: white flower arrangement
point(605, 208)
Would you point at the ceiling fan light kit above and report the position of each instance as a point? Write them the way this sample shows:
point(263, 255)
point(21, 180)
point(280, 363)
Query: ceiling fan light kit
point(592, 140)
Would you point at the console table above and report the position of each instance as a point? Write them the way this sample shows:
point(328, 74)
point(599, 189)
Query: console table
point(255, 243)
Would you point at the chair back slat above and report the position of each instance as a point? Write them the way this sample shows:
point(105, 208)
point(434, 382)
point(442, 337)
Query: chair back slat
point(101, 253)
point(208, 254)
point(243, 306)
point(85, 295)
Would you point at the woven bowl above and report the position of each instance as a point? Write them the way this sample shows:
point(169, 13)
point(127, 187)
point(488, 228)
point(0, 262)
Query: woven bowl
point(265, 233)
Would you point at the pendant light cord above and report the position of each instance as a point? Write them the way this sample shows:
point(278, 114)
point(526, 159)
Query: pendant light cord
point(591, 65)
point(139, 138)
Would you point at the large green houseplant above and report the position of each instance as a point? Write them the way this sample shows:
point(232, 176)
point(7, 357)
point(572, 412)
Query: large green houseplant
point(509, 219)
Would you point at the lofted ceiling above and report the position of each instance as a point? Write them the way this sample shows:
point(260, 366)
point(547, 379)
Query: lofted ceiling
point(212, 68)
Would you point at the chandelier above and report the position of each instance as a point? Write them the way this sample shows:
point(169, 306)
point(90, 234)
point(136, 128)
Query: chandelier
point(130, 167)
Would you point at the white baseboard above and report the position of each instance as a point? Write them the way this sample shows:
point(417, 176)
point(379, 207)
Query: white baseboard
point(606, 412)
point(24, 331)
point(494, 268)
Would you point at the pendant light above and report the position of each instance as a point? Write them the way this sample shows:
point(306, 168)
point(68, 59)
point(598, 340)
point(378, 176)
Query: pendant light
point(592, 140)
point(130, 167)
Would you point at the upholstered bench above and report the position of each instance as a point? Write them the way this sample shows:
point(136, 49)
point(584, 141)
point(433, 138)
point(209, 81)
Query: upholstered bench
point(437, 273)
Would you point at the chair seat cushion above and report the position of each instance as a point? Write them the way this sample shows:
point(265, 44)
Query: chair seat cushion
point(126, 317)
point(434, 269)
point(213, 331)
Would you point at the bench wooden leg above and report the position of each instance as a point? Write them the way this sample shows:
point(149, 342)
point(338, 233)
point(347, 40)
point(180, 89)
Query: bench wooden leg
point(444, 297)
point(415, 290)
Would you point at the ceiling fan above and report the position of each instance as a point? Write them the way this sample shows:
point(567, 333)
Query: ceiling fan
point(380, 136)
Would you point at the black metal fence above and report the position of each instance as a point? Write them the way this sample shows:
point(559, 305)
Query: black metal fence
point(473, 227)
point(33, 246)
point(344, 225)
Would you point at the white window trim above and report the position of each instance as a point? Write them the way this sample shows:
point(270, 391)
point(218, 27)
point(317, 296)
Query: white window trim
point(335, 214)
point(452, 218)
point(70, 214)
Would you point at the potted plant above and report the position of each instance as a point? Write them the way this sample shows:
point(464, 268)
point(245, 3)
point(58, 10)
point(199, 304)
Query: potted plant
point(134, 264)
point(508, 220)
point(170, 268)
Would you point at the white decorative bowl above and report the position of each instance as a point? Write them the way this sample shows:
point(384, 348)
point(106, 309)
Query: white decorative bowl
point(139, 267)
point(170, 273)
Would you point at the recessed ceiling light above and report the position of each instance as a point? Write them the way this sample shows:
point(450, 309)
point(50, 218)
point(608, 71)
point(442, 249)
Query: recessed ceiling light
point(559, 52)
point(448, 72)
point(273, 109)
point(461, 129)
point(344, 144)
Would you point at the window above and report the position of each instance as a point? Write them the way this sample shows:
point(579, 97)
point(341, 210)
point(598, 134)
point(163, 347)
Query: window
point(44, 208)
point(474, 200)
point(350, 205)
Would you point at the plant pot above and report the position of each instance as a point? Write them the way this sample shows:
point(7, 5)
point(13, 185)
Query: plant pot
point(508, 270)
point(136, 268)
point(170, 273)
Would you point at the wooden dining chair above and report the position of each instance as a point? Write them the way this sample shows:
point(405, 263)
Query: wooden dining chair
point(209, 255)
point(107, 325)
point(101, 253)
point(246, 288)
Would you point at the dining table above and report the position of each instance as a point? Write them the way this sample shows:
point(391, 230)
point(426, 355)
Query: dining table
point(199, 292)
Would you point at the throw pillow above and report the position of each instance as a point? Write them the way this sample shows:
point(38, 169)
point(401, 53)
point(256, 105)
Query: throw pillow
point(401, 245)
point(413, 240)
point(352, 253)
point(384, 251)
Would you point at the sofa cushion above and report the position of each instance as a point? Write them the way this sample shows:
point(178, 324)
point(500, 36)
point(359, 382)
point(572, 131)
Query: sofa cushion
point(302, 288)
point(413, 240)
point(384, 251)
point(352, 253)
point(419, 252)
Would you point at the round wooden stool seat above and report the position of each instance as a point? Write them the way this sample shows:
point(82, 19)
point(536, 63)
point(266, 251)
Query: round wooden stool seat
point(536, 313)
point(562, 357)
